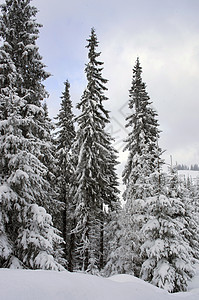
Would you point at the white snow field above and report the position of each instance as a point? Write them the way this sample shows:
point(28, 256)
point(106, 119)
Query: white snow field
point(52, 285)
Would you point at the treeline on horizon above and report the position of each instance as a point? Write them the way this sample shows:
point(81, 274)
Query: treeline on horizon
point(194, 167)
point(59, 192)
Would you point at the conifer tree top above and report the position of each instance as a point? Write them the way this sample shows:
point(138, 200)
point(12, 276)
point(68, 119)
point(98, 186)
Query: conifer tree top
point(66, 132)
point(93, 95)
point(92, 44)
point(142, 140)
point(19, 32)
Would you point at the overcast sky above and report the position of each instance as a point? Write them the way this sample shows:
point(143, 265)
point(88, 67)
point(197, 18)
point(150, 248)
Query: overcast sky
point(165, 36)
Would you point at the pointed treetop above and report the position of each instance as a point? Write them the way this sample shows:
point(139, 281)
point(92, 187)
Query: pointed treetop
point(137, 71)
point(92, 45)
point(66, 91)
point(94, 93)
point(19, 31)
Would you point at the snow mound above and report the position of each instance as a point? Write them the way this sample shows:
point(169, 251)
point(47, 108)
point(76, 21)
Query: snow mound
point(52, 285)
point(194, 284)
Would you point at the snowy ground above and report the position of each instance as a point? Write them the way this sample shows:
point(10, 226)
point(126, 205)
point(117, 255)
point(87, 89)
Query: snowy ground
point(50, 285)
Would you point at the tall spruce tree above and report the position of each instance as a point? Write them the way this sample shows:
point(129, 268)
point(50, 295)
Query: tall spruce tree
point(7, 79)
point(64, 139)
point(139, 172)
point(28, 238)
point(95, 181)
point(159, 252)
point(19, 32)
point(142, 142)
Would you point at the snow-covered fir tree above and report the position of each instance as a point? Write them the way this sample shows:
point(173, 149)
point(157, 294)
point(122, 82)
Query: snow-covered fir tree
point(27, 236)
point(139, 172)
point(119, 249)
point(64, 139)
point(19, 31)
point(94, 189)
point(170, 235)
point(49, 159)
point(168, 256)
point(142, 142)
point(183, 189)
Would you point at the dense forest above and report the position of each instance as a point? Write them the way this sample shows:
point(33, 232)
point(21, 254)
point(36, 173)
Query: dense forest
point(60, 202)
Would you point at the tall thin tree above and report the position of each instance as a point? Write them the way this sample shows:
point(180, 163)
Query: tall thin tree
point(95, 180)
point(64, 139)
point(139, 172)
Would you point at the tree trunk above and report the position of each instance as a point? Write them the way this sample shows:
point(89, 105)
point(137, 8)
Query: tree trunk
point(101, 258)
point(71, 250)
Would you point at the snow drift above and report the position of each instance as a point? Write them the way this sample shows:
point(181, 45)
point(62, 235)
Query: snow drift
point(52, 285)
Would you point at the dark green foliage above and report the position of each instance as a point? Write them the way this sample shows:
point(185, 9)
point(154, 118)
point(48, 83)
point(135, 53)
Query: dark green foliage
point(141, 173)
point(142, 141)
point(27, 237)
point(64, 139)
point(94, 181)
point(20, 31)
